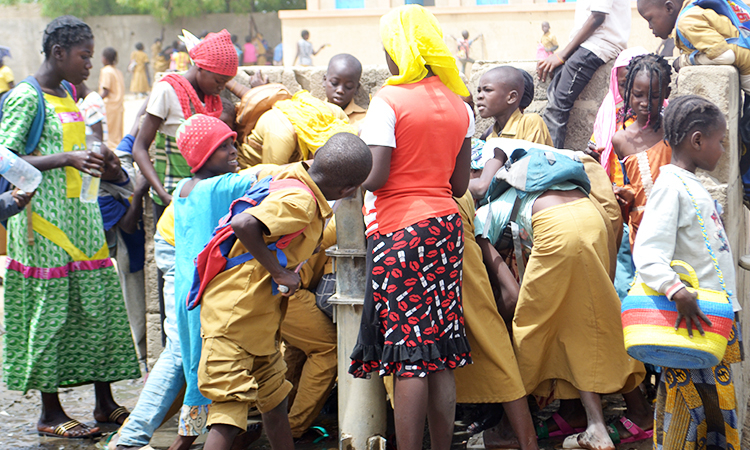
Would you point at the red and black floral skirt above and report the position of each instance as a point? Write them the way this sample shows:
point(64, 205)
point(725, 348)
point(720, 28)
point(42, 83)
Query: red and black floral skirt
point(413, 321)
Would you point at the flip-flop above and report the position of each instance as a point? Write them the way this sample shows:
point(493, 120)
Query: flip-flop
point(636, 433)
point(564, 428)
point(116, 414)
point(62, 430)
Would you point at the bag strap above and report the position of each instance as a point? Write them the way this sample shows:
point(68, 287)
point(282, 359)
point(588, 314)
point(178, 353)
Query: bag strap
point(705, 236)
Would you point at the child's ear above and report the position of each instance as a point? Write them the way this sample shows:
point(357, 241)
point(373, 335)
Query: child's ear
point(58, 52)
point(512, 97)
point(670, 7)
point(696, 140)
point(668, 91)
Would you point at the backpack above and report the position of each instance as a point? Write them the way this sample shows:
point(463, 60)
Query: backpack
point(213, 259)
point(535, 169)
point(737, 11)
point(37, 125)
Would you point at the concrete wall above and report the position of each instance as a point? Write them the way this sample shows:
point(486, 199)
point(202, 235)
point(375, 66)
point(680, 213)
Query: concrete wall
point(511, 32)
point(22, 29)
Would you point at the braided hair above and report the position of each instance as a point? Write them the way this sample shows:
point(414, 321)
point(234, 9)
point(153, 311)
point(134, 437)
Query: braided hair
point(654, 65)
point(688, 114)
point(65, 31)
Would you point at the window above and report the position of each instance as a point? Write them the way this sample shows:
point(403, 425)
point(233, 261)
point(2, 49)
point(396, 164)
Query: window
point(491, 2)
point(420, 2)
point(350, 4)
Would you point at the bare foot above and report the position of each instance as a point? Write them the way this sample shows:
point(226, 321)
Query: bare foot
point(591, 440)
point(500, 436)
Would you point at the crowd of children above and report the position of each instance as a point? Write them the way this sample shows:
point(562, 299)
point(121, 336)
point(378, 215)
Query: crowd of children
point(473, 294)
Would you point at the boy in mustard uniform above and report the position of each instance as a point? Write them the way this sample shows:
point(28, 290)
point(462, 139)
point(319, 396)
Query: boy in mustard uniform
point(341, 83)
point(703, 36)
point(241, 364)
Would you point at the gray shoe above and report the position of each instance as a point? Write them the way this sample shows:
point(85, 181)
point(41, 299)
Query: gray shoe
point(745, 262)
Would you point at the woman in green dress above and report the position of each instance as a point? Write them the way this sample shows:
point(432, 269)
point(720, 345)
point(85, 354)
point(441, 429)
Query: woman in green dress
point(64, 312)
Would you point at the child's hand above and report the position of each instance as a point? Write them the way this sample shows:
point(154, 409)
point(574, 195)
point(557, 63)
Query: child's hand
point(22, 198)
point(289, 279)
point(687, 308)
point(86, 161)
point(258, 79)
point(624, 196)
point(141, 185)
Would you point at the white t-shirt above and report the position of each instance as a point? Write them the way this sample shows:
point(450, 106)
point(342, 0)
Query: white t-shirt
point(165, 105)
point(93, 110)
point(612, 36)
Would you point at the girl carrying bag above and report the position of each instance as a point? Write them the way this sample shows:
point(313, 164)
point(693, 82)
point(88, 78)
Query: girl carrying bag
point(648, 319)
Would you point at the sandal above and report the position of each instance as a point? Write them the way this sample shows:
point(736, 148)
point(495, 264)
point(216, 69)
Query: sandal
point(64, 430)
point(491, 415)
point(118, 412)
point(563, 428)
point(636, 433)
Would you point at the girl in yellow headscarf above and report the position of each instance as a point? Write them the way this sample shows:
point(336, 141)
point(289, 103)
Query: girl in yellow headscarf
point(419, 130)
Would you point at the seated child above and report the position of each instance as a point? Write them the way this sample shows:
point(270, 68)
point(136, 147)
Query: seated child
point(641, 146)
point(341, 83)
point(682, 222)
point(241, 363)
point(704, 36)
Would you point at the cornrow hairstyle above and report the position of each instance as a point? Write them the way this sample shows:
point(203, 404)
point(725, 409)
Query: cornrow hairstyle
point(687, 114)
point(65, 31)
point(654, 65)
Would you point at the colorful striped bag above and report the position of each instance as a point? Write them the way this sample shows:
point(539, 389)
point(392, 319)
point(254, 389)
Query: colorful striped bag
point(648, 319)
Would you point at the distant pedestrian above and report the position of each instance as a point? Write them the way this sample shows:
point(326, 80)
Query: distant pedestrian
point(139, 83)
point(236, 47)
point(464, 49)
point(112, 90)
point(249, 53)
point(6, 78)
point(278, 55)
point(305, 50)
point(548, 44)
point(160, 62)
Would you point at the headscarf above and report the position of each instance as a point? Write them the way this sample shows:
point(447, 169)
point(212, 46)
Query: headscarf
point(413, 39)
point(313, 121)
point(605, 125)
point(216, 53)
point(528, 90)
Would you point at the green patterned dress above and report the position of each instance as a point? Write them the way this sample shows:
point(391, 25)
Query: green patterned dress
point(64, 312)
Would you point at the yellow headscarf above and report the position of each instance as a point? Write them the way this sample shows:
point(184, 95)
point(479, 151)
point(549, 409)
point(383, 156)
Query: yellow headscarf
point(412, 37)
point(313, 121)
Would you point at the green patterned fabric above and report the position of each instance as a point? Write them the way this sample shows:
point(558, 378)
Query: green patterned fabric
point(169, 164)
point(66, 320)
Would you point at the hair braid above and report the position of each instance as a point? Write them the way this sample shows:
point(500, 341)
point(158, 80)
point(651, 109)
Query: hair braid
point(688, 114)
point(65, 31)
point(655, 65)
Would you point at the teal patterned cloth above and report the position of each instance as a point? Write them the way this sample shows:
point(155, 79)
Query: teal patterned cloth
point(66, 320)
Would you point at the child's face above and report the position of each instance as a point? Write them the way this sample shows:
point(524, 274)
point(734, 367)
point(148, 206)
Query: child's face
point(211, 83)
point(341, 84)
point(639, 96)
point(224, 158)
point(712, 147)
point(661, 16)
point(392, 67)
point(76, 62)
point(545, 27)
point(494, 98)
point(111, 170)
point(622, 78)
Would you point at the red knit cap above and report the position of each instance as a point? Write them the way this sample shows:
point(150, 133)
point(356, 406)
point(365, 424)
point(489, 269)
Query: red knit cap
point(199, 137)
point(216, 53)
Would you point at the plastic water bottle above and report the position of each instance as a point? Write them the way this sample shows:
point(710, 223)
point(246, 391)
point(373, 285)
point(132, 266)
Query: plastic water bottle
point(18, 172)
point(90, 184)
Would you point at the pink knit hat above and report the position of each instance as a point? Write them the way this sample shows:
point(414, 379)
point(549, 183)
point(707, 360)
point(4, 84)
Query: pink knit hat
point(199, 137)
point(216, 53)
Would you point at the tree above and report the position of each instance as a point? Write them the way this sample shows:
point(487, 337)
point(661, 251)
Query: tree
point(165, 11)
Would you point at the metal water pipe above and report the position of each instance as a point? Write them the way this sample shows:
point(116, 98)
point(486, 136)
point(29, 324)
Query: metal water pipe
point(362, 402)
